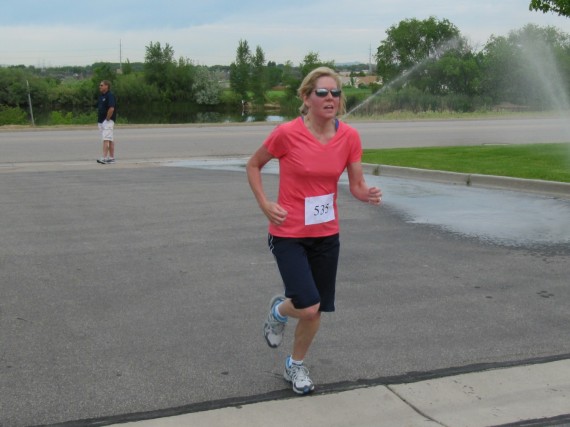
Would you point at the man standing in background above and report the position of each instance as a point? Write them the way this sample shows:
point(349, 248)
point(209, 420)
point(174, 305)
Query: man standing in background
point(106, 114)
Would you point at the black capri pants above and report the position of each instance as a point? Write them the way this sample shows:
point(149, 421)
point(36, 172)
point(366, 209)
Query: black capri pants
point(308, 268)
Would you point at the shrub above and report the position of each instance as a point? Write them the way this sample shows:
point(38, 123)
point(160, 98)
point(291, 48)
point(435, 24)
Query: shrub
point(62, 118)
point(12, 116)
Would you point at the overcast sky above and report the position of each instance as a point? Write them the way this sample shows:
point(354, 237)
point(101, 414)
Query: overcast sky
point(63, 32)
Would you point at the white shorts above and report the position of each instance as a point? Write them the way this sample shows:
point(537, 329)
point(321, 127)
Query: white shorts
point(106, 128)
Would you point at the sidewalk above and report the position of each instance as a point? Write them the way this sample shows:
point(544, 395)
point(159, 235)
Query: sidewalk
point(534, 395)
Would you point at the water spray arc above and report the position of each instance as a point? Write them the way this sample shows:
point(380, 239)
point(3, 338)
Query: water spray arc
point(547, 78)
point(434, 55)
point(402, 77)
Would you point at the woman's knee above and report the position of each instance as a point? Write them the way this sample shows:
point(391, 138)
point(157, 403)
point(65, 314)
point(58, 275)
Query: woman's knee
point(310, 313)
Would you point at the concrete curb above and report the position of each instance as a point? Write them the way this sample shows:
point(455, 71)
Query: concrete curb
point(548, 188)
point(527, 395)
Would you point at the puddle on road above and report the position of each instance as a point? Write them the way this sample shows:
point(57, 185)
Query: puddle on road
point(506, 217)
point(503, 217)
point(232, 164)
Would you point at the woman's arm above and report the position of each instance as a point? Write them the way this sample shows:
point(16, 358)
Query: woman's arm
point(275, 213)
point(358, 186)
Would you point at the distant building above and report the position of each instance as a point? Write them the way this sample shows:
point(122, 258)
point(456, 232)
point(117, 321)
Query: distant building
point(358, 81)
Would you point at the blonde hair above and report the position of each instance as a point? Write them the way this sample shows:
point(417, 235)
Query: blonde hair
point(309, 83)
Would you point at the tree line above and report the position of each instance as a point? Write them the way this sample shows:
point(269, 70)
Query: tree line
point(437, 67)
point(421, 64)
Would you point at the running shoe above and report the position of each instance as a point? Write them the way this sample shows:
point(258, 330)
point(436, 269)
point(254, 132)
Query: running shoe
point(298, 376)
point(102, 160)
point(273, 329)
point(110, 161)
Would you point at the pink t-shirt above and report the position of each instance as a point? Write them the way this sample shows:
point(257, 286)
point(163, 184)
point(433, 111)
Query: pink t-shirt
point(308, 177)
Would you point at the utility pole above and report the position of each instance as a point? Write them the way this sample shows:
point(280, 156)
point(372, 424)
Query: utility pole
point(30, 104)
point(121, 56)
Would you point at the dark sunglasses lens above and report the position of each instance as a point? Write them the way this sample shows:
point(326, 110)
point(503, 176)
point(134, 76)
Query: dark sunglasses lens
point(324, 92)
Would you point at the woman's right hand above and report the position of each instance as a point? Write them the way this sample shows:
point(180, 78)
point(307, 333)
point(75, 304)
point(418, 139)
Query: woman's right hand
point(275, 213)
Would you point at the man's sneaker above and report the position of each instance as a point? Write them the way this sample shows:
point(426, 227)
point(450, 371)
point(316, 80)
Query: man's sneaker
point(272, 328)
point(298, 376)
point(110, 161)
point(102, 160)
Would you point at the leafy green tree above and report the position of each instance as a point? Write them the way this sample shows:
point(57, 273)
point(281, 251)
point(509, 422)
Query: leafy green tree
point(259, 76)
point(134, 90)
point(412, 42)
point(274, 74)
point(561, 7)
point(206, 89)
point(159, 64)
point(14, 87)
point(291, 78)
point(312, 61)
point(240, 70)
point(179, 80)
point(501, 70)
point(174, 79)
point(72, 95)
point(457, 71)
point(127, 68)
point(462, 74)
point(103, 71)
point(529, 67)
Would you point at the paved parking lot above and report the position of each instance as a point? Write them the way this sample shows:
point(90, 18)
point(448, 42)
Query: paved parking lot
point(141, 289)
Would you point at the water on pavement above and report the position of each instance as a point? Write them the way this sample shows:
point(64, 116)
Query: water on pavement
point(502, 217)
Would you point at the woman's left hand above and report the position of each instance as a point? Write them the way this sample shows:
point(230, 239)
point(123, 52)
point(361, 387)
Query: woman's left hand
point(374, 195)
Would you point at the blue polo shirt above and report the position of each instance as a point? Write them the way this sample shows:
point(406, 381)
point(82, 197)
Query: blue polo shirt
point(106, 101)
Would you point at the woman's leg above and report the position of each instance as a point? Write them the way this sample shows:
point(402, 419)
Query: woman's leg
point(309, 320)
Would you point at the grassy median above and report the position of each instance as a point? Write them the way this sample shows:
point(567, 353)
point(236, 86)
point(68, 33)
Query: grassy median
point(549, 162)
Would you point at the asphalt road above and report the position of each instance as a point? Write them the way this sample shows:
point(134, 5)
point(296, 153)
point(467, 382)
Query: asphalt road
point(129, 290)
point(167, 142)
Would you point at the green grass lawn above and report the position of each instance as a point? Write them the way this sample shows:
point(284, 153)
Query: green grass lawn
point(549, 162)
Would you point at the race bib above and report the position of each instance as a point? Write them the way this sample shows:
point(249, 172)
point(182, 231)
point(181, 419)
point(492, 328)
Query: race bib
point(319, 209)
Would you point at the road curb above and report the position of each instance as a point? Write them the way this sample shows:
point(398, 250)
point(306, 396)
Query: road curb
point(548, 188)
